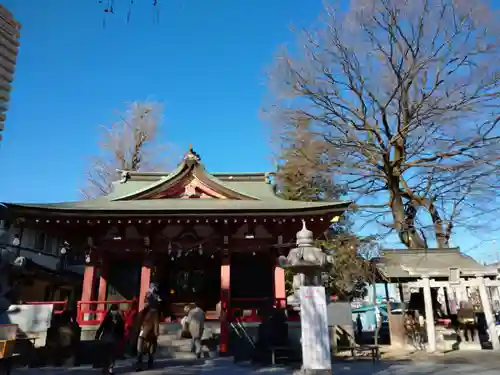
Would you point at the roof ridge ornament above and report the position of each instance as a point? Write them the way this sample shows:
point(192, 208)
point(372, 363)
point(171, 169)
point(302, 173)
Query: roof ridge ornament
point(192, 156)
point(124, 176)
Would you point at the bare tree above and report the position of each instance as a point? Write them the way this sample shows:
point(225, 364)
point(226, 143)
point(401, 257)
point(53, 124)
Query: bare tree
point(130, 144)
point(112, 7)
point(406, 95)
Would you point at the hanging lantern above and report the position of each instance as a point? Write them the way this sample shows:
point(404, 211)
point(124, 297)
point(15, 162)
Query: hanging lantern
point(169, 248)
point(88, 258)
point(200, 249)
point(16, 241)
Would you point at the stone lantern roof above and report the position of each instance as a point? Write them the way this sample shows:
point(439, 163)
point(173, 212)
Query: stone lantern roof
point(305, 258)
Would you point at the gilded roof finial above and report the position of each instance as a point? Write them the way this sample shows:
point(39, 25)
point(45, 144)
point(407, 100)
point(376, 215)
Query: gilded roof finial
point(190, 147)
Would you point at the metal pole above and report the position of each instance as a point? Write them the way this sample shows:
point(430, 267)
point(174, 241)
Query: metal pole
point(375, 307)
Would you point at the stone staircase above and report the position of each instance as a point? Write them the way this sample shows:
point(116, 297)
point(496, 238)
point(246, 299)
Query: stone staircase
point(171, 346)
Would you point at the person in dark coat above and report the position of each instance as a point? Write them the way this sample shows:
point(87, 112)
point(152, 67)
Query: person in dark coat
point(111, 333)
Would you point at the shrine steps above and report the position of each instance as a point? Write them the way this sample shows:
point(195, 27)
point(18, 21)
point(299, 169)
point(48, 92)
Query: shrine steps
point(171, 345)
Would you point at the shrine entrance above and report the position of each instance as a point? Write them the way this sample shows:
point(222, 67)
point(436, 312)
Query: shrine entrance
point(188, 279)
point(252, 279)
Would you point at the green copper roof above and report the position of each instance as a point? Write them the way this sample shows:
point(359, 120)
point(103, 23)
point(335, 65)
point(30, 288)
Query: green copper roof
point(189, 206)
point(249, 193)
point(402, 263)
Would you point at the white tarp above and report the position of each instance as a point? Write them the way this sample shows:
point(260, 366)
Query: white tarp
point(30, 318)
point(315, 338)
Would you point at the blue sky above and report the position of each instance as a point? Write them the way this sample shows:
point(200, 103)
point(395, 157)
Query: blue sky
point(205, 60)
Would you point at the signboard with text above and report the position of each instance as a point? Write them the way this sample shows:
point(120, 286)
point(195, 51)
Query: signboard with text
point(29, 318)
point(315, 337)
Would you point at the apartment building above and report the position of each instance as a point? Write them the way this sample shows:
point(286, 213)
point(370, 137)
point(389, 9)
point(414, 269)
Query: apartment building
point(9, 44)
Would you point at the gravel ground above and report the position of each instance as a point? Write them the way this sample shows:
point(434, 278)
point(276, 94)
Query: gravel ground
point(476, 363)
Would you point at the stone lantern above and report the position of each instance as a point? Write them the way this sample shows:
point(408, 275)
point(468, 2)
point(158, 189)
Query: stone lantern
point(306, 262)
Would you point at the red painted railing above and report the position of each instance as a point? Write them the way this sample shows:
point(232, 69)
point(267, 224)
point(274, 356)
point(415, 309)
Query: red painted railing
point(251, 314)
point(93, 312)
point(59, 306)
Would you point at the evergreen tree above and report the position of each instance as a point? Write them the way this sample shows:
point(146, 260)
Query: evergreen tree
point(303, 174)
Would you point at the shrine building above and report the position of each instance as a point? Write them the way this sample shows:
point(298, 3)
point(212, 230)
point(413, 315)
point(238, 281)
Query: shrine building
point(209, 238)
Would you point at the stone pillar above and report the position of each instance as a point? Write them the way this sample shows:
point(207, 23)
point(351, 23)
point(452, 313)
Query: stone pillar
point(145, 282)
point(488, 314)
point(429, 315)
point(496, 294)
point(225, 294)
point(461, 293)
point(279, 288)
point(447, 301)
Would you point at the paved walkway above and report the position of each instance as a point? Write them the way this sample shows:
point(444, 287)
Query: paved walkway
point(475, 364)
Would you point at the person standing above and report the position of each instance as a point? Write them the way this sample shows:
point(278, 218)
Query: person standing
point(130, 338)
point(359, 327)
point(196, 322)
point(153, 298)
point(111, 333)
point(149, 331)
point(466, 319)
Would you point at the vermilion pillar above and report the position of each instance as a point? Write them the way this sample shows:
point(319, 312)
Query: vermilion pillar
point(89, 280)
point(225, 279)
point(103, 286)
point(89, 277)
point(279, 288)
point(145, 281)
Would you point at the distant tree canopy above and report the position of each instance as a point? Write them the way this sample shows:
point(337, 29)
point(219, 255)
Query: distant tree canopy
point(303, 174)
point(130, 144)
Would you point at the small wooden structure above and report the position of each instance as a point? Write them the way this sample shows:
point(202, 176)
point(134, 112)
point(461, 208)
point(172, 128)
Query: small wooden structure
point(7, 345)
point(436, 268)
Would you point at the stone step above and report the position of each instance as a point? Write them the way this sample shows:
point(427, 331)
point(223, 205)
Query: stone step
point(179, 346)
point(181, 352)
point(175, 332)
point(170, 346)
